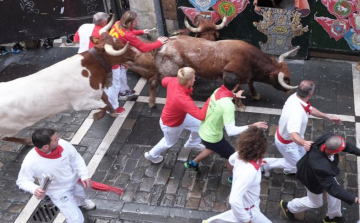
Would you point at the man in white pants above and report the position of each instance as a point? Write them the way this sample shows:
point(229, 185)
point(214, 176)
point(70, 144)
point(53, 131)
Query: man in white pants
point(119, 82)
point(317, 171)
point(179, 113)
point(289, 137)
point(245, 190)
point(60, 159)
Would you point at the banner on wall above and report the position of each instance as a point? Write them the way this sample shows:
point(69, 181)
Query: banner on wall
point(353, 39)
point(336, 28)
point(231, 8)
point(354, 21)
point(192, 12)
point(340, 8)
point(202, 5)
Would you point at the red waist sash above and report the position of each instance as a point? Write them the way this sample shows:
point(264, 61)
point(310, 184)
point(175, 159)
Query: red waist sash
point(281, 139)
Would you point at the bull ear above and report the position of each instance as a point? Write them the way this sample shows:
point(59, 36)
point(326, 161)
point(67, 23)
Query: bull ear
point(94, 40)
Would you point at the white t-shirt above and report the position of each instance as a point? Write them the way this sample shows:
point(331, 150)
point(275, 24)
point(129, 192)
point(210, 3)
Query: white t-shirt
point(66, 170)
point(293, 117)
point(245, 189)
point(85, 32)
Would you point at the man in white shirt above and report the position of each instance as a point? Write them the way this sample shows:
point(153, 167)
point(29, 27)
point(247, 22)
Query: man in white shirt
point(82, 35)
point(60, 159)
point(289, 137)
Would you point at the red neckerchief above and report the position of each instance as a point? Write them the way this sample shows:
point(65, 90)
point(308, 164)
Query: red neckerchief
point(256, 164)
point(55, 154)
point(307, 107)
point(223, 92)
point(341, 147)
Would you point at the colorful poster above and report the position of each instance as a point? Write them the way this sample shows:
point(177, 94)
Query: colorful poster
point(340, 8)
point(192, 12)
point(353, 39)
point(202, 5)
point(335, 28)
point(231, 8)
point(354, 21)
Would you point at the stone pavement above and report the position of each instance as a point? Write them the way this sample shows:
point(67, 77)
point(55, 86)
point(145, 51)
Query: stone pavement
point(167, 192)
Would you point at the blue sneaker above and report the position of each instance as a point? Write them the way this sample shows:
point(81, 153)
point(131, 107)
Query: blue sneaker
point(190, 165)
point(16, 51)
point(17, 48)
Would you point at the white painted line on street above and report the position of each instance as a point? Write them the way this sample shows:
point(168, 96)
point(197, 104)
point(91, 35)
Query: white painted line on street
point(85, 126)
point(140, 85)
point(356, 84)
point(249, 109)
point(357, 130)
point(104, 146)
point(28, 210)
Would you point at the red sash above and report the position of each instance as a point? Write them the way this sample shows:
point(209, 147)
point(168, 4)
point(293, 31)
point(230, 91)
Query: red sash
point(103, 187)
point(281, 139)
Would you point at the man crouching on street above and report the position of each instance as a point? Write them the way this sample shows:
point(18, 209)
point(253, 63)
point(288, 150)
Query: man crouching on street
point(60, 159)
point(317, 171)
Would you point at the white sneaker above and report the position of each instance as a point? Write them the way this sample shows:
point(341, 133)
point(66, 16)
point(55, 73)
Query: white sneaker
point(199, 147)
point(266, 170)
point(89, 205)
point(158, 159)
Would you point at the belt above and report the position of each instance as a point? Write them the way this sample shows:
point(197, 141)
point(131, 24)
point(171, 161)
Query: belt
point(246, 209)
point(281, 139)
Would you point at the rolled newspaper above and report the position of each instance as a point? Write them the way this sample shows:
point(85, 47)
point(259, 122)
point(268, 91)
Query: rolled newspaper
point(46, 182)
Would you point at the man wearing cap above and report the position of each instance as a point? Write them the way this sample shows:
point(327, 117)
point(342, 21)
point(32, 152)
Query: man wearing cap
point(289, 137)
point(317, 171)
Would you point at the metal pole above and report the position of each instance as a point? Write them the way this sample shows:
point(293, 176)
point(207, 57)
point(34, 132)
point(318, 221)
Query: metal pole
point(159, 18)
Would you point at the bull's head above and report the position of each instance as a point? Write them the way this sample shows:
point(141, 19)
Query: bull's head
point(113, 50)
point(283, 76)
point(206, 28)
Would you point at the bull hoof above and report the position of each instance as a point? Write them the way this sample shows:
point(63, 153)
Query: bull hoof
point(256, 97)
point(241, 108)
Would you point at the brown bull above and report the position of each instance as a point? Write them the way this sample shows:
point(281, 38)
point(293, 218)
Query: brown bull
point(144, 64)
point(206, 29)
point(211, 59)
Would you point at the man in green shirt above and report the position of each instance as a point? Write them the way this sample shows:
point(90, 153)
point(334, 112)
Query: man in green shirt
point(220, 114)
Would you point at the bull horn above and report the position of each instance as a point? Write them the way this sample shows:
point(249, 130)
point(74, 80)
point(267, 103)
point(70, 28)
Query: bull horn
point(283, 84)
point(284, 55)
point(192, 29)
point(108, 26)
point(222, 24)
point(110, 49)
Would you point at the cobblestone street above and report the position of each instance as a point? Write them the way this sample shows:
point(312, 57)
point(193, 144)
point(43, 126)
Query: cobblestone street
point(167, 192)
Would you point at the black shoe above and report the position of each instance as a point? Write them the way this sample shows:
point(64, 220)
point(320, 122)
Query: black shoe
point(286, 210)
point(48, 43)
point(334, 220)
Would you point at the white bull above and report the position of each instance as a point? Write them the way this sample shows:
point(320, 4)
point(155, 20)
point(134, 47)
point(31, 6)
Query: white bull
point(75, 83)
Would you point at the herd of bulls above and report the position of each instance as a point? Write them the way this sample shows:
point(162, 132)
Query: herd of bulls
point(78, 82)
